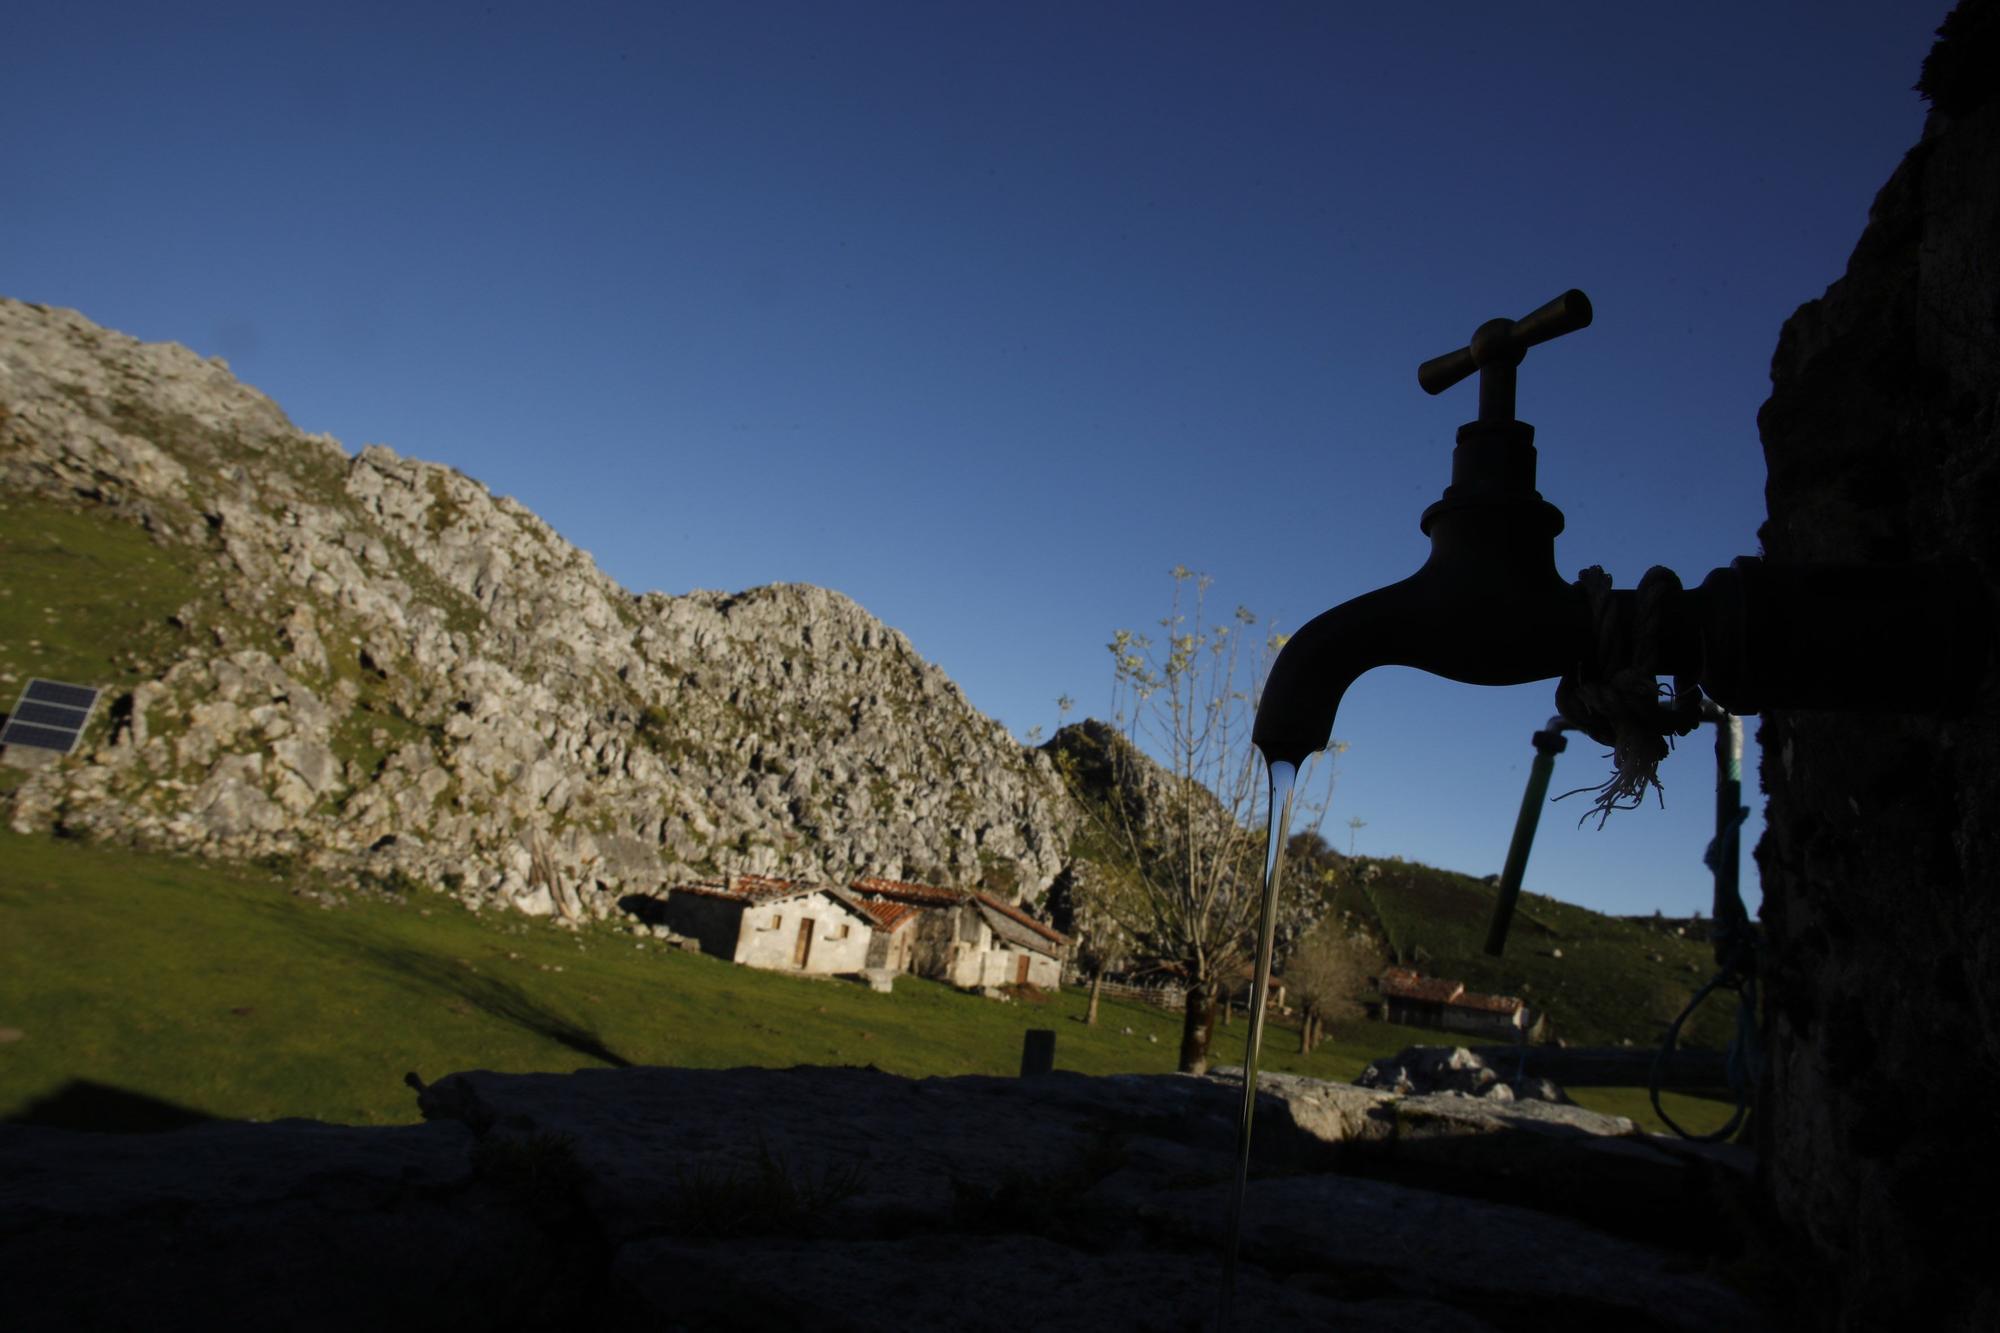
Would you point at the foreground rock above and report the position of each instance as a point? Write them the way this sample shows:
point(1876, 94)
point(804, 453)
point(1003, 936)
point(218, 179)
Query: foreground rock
point(1455, 1069)
point(825, 1199)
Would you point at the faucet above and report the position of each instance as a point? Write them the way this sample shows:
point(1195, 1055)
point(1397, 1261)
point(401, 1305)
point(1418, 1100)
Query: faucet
point(1488, 608)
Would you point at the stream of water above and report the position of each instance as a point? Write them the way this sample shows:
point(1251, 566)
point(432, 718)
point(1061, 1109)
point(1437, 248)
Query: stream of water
point(1284, 777)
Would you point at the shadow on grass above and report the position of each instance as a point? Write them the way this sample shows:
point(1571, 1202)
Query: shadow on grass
point(493, 997)
point(103, 1109)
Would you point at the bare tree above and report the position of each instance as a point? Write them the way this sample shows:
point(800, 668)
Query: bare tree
point(1077, 908)
point(1326, 974)
point(1177, 798)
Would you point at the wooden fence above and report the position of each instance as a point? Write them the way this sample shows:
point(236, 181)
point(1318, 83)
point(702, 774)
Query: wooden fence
point(1164, 995)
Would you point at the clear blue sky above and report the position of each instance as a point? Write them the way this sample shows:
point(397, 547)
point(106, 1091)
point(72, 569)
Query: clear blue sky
point(989, 314)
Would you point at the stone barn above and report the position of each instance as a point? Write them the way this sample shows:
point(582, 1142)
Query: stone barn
point(932, 929)
point(968, 939)
point(894, 944)
point(1016, 949)
point(782, 925)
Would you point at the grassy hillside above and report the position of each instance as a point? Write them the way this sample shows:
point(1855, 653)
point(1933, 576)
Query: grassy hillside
point(220, 989)
point(86, 596)
point(234, 992)
point(1615, 980)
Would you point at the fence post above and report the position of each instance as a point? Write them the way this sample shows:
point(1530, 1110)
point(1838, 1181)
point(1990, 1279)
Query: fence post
point(1038, 1051)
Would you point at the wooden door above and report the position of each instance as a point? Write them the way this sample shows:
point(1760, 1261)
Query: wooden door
point(1021, 970)
point(803, 949)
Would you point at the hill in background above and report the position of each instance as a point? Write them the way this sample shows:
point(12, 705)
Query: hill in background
point(368, 667)
point(1600, 979)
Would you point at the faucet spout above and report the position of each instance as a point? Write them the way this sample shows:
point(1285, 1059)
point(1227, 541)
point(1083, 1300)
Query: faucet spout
point(1317, 665)
point(1487, 608)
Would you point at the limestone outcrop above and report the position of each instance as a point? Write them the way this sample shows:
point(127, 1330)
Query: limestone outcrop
point(382, 670)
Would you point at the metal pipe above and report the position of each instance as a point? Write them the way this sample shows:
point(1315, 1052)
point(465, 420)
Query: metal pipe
point(1725, 854)
point(1549, 743)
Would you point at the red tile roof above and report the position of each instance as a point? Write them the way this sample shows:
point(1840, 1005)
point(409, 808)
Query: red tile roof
point(1431, 990)
point(747, 888)
point(890, 917)
point(1402, 983)
point(920, 895)
point(1008, 909)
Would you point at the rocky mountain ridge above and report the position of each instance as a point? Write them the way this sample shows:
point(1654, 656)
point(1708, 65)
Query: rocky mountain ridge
point(379, 669)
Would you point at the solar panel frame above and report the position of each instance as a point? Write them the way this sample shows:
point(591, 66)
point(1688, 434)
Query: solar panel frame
point(63, 741)
point(50, 715)
point(56, 692)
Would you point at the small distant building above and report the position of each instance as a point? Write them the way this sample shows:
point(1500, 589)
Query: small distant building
point(894, 943)
point(926, 934)
point(1413, 999)
point(962, 937)
point(1243, 984)
point(783, 925)
point(1018, 950)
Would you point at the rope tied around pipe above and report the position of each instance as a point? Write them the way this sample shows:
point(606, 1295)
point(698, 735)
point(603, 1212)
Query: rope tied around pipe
point(1617, 700)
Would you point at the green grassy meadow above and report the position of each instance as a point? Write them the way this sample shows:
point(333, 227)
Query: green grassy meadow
point(216, 988)
point(86, 598)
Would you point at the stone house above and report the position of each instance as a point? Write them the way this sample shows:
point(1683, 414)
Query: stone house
point(1016, 949)
point(783, 925)
point(1411, 998)
point(963, 937)
point(894, 943)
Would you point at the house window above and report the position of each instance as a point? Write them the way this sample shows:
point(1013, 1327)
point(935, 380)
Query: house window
point(777, 919)
point(841, 933)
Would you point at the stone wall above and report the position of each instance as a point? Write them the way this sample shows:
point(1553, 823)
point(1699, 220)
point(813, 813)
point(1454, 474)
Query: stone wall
point(1882, 854)
point(715, 924)
point(893, 949)
point(771, 936)
point(1001, 966)
point(938, 946)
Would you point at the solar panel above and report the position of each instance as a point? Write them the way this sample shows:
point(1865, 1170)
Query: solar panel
point(49, 716)
point(55, 692)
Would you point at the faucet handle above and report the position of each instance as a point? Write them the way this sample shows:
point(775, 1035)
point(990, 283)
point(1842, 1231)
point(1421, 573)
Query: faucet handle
point(1566, 314)
point(1497, 347)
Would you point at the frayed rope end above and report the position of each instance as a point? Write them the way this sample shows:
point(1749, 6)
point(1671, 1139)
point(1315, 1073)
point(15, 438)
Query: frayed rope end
point(1635, 768)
